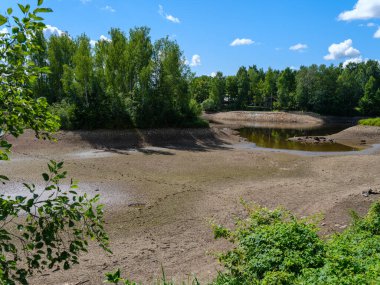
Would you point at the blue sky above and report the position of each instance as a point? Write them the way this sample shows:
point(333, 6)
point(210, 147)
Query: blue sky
point(223, 35)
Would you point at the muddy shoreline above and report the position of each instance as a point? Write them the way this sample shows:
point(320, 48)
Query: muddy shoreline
point(179, 180)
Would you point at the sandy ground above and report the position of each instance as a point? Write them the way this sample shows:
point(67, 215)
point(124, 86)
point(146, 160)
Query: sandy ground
point(184, 179)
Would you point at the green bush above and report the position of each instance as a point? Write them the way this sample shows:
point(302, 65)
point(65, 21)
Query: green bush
point(370, 122)
point(271, 247)
point(66, 112)
point(209, 105)
point(275, 247)
point(352, 257)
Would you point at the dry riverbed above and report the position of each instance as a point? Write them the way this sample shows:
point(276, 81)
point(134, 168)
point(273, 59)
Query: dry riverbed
point(162, 187)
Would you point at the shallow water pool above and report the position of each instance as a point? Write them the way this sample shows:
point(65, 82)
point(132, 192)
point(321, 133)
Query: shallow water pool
point(277, 138)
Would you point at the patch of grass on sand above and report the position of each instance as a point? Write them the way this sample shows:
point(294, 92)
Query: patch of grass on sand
point(370, 122)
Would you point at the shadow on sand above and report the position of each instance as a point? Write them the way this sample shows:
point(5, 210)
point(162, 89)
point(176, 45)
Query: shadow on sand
point(153, 141)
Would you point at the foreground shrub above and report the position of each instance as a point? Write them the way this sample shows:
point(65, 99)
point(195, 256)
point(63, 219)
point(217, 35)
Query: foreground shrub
point(352, 257)
point(276, 247)
point(47, 228)
point(271, 247)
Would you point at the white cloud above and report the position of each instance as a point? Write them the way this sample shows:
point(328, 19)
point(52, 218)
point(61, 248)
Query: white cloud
point(51, 30)
point(342, 50)
point(195, 60)
point(104, 38)
point(101, 38)
point(173, 19)
point(161, 10)
point(369, 25)
point(377, 34)
point(109, 9)
point(93, 43)
point(363, 9)
point(358, 59)
point(299, 47)
point(213, 74)
point(241, 42)
point(168, 17)
point(3, 31)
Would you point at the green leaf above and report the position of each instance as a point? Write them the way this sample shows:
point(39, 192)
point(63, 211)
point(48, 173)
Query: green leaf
point(40, 2)
point(3, 20)
point(9, 11)
point(45, 176)
point(66, 266)
point(51, 187)
point(22, 8)
point(21, 37)
point(2, 177)
point(27, 8)
point(15, 30)
point(42, 10)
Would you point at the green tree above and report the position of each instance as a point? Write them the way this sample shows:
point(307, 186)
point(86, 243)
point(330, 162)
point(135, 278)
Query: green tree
point(83, 70)
point(138, 56)
point(349, 89)
point(286, 87)
point(116, 64)
point(255, 76)
point(60, 53)
point(40, 59)
point(200, 88)
point(306, 80)
point(217, 91)
point(370, 103)
point(232, 91)
point(325, 99)
point(269, 88)
point(243, 88)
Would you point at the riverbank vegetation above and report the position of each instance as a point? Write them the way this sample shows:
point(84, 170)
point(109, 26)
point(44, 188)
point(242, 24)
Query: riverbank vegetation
point(370, 122)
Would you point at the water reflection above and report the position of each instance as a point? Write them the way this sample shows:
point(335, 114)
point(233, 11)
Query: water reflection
point(278, 138)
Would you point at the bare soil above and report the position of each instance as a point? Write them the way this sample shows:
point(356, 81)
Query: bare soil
point(162, 187)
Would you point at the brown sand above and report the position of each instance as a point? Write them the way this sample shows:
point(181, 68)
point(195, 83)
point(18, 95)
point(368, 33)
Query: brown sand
point(184, 179)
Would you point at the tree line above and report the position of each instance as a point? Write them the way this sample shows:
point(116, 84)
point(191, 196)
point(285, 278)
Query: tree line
point(130, 81)
point(126, 81)
point(332, 90)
